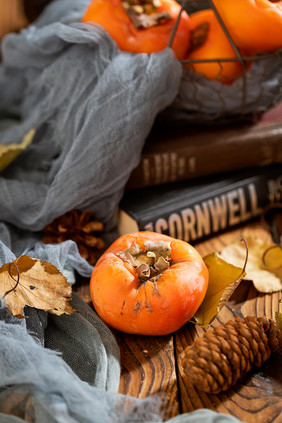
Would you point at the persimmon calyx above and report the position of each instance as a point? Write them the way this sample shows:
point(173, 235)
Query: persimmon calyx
point(150, 263)
point(143, 13)
point(199, 36)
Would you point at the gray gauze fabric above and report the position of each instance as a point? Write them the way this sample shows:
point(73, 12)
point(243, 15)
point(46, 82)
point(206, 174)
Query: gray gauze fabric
point(38, 385)
point(92, 107)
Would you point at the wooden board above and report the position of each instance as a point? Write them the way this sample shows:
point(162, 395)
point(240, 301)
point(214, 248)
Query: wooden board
point(152, 365)
point(12, 16)
point(148, 368)
point(258, 397)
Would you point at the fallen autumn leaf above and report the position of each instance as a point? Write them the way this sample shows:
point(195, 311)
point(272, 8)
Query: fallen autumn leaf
point(265, 271)
point(38, 284)
point(223, 280)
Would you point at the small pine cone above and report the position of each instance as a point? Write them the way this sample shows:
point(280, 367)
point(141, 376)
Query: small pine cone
point(222, 356)
point(79, 227)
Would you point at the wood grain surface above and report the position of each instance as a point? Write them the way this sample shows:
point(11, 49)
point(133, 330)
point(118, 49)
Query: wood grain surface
point(152, 365)
point(148, 368)
point(12, 17)
point(258, 397)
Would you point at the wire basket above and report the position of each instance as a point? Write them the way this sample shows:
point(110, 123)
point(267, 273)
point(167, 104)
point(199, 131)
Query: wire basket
point(206, 101)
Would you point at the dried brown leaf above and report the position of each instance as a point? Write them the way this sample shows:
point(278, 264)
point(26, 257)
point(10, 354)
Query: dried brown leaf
point(10, 152)
point(38, 284)
point(265, 270)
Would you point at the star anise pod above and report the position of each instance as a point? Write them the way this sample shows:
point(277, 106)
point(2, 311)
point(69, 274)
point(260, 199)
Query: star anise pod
point(79, 227)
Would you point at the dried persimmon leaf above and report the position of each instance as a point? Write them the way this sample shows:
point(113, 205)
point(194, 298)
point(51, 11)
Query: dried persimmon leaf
point(272, 258)
point(38, 284)
point(9, 152)
point(266, 277)
point(223, 280)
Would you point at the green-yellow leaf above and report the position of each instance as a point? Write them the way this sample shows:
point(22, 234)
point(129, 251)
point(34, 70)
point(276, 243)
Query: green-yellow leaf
point(223, 280)
point(8, 153)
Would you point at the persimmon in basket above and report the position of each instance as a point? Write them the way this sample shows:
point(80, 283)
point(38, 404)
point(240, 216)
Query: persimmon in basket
point(148, 283)
point(208, 41)
point(254, 25)
point(141, 26)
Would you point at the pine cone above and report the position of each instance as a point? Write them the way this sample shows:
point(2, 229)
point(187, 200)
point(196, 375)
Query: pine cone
point(79, 227)
point(222, 356)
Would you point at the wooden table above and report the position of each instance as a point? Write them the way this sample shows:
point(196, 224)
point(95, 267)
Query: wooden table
point(152, 365)
point(12, 16)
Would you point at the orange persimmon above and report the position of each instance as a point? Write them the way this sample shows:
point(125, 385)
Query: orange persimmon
point(111, 15)
point(208, 41)
point(254, 25)
point(148, 283)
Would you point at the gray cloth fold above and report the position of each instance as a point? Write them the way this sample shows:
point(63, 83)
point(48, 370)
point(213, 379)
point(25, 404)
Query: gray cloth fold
point(37, 384)
point(87, 345)
point(92, 107)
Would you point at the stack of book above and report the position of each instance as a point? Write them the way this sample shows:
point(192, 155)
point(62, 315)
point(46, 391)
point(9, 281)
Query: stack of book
point(195, 183)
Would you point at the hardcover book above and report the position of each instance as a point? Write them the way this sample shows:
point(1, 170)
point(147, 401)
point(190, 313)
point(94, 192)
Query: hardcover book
point(194, 210)
point(175, 154)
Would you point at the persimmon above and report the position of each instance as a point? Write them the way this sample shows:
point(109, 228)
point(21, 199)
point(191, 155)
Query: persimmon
point(208, 41)
point(153, 30)
point(148, 283)
point(254, 25)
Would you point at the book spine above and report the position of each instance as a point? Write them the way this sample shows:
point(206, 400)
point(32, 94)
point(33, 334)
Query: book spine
point(190, 158)
point(159, 168)
point(216, 213)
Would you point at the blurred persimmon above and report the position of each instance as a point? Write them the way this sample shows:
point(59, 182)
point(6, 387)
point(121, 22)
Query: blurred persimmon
point(208, 41)
point(141, 26)
point(255, 25)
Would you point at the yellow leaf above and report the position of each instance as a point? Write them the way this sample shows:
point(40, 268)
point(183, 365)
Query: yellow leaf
point(266, 274)
point(8, 153)
point(272, 259)
point(223, 280)
point(38, 284)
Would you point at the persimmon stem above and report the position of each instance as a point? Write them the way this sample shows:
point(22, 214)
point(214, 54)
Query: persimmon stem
point(17, 280)
point(151, 262)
